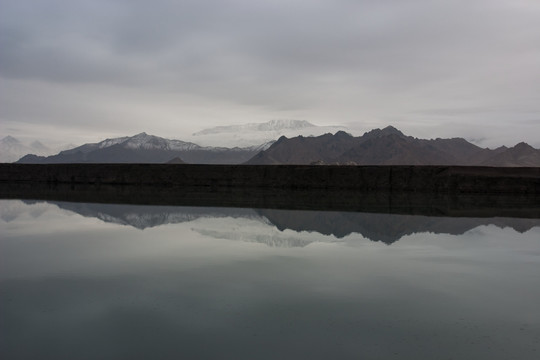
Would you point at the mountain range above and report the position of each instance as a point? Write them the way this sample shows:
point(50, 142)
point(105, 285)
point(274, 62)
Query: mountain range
point(253, 134)
point(144, 148)
point(389, 146)
point(233, 144)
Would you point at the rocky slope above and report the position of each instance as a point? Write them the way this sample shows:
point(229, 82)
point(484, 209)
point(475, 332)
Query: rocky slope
point(389, 146)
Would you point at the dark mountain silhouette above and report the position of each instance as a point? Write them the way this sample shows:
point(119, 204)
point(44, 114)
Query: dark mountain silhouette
point(390, 146)
point(395, 150)
point(522, 154)
point(176, 160)
point(304, 150)
point(387, 146)
point(144, 148)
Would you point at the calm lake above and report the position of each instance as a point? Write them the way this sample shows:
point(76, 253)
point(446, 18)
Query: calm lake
point(102, 281)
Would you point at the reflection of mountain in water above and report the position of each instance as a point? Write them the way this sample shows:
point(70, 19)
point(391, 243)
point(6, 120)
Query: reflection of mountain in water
point(270, 238)
point(387, 228)
point(147, 216)
point(267, 225)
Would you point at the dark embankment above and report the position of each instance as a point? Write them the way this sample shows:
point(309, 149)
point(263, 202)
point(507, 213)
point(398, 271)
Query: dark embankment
point(439, 179)
point(436, 191)
point(412, 203)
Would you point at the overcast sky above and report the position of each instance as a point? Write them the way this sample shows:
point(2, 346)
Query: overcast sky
point(87, 70)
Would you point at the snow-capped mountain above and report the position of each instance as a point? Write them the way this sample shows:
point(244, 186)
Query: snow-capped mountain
point(252, 134)
point(272, 125)
point(219, 145)
point(141, 141)
point(12, 149)
point(151, 142)
point(145, 148)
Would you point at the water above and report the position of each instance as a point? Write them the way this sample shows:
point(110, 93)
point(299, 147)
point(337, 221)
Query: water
point(94, 281)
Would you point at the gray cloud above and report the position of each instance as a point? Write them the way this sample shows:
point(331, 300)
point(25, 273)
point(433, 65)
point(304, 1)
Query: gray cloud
point(343, 61)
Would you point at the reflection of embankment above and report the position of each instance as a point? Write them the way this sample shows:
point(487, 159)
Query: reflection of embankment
point(410, 203)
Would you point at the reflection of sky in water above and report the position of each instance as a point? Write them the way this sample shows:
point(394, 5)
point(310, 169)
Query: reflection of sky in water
point(79, 287)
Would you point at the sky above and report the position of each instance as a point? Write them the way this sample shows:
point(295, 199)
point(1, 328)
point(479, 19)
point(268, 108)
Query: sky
point(82, 71)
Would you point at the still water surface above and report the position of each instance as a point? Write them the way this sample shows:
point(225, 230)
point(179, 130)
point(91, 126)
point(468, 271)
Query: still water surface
point(94, 281)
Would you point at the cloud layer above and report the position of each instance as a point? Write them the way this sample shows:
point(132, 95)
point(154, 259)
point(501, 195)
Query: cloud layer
point(431, 67)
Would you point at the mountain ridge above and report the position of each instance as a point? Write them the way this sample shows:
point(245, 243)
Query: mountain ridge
point(145, 148)
point(389, 146)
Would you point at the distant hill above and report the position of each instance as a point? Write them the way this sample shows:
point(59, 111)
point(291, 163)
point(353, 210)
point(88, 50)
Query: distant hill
point(520, 155)
point(389, 146)
point(176, 160)
point(144, 148)
point(12, 149)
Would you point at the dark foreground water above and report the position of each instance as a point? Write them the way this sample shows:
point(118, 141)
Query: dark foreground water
point(90, 281)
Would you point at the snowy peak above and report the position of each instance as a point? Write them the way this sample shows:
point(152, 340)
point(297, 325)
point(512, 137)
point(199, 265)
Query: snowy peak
point(277, 125)
point(146, 142)
point(145, 148)
point(110, 142)
point(252, 134)
point(272, 125)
